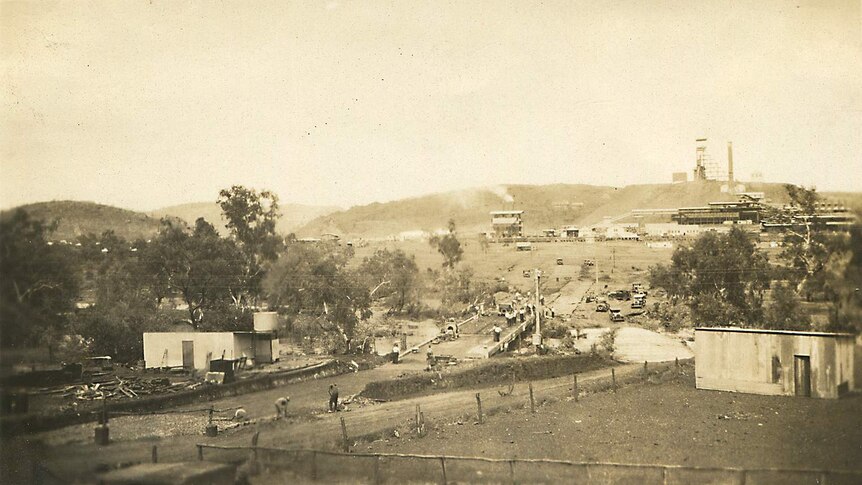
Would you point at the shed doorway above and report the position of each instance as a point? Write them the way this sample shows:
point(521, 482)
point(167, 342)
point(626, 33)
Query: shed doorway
point(802, 375)
point(188, 354)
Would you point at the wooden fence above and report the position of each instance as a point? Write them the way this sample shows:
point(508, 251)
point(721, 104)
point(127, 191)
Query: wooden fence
point(380, 468)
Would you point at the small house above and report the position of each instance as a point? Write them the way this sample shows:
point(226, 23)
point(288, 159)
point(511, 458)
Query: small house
point(774, 362)
point(195, 350)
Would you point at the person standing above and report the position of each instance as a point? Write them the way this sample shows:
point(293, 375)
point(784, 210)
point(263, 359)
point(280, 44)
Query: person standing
point(429, 357)
point(396, 351)
point(497, 332)
point(333, 398)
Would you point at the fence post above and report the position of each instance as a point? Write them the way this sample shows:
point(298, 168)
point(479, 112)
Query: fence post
point(155, 454)
point(443, 466)
point(575, 387)
point(200, 452)
point(254, 439)
point(532, 402)
point(345, 443)
point(377, 470)
point(512, 471)
point(646, 372)
point(313, 465)
point(613, 379)
point(479, 408)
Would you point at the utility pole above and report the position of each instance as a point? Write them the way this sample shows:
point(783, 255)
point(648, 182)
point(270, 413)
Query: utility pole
point(537, 336)
point(596, 264)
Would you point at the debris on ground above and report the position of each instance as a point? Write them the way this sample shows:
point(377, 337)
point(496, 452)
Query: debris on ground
point(114, 387)
point(735, 415)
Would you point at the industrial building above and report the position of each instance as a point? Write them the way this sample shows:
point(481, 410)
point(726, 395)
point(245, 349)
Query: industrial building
point(507, 223)
point(195, 350)
point(737, 212)
point(774, 362)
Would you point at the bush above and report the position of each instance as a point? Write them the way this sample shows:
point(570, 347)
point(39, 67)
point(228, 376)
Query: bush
point(607, 339)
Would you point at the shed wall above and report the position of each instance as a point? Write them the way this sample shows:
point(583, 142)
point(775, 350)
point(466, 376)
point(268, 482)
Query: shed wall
point(763, 363)
point(216, 343)
point(262, 343)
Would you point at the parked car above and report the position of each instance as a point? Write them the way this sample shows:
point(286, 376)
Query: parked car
point(616, 316)
point(621, 295)
point(601, 306)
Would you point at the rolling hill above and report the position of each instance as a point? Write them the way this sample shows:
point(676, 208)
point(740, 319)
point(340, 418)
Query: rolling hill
point(77, 218)
point(546, 206)
point(293, 215)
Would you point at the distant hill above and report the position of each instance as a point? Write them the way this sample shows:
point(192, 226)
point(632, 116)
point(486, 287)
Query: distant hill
point(76, 218)
point(545, 206)
point(293, 215)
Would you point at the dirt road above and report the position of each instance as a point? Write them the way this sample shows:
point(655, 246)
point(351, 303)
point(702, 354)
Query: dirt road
point(81, 458)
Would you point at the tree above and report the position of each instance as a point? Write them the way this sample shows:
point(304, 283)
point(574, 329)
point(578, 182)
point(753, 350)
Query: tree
point(807, 245)
point(721, 277)
point(448, 246)
point(393, 277)
point(38, 281)
point(199, 266)
point(251, 218)
point(844, 283)
point(785, 311)
point(309, 281)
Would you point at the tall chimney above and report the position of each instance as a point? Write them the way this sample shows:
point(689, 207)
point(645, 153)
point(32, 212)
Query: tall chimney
point(730, 181)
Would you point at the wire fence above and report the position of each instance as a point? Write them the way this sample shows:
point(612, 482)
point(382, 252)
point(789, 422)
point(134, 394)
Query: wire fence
point(378, 468)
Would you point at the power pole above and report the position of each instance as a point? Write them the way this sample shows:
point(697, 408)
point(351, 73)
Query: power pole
point(596, 264)
point(537, 336)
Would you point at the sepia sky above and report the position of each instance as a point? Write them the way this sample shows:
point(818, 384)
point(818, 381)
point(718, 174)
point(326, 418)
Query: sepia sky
point(144, 104)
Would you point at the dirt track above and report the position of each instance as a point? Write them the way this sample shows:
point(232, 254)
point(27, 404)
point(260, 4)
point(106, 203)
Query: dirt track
point(80, 459)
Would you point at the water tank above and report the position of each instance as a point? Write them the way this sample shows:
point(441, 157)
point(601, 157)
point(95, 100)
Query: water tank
point(265, 321)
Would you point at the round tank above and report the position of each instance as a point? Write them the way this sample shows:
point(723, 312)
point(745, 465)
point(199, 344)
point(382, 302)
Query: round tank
point(265, 321)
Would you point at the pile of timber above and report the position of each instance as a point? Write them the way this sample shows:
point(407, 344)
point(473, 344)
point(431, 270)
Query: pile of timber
point(108, 386)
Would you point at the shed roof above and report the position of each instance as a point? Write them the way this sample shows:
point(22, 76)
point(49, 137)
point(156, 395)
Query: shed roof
point(780, 332)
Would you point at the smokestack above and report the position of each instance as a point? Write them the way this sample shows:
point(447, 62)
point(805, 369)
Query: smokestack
point(730, 181)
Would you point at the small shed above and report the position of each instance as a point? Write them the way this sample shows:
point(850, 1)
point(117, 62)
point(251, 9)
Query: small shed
point(774, 362)
point(192, 349)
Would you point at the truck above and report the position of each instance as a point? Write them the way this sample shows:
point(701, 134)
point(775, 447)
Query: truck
point(638, 300)
point(601, 305)
point(615, 315)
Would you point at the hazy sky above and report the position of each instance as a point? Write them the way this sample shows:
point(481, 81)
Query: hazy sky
point(147, 104)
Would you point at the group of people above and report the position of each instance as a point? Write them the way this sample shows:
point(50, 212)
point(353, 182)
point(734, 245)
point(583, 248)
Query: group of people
point(281, 405)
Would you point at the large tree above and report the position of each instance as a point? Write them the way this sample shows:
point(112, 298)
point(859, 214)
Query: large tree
point(251, 218)
point(316, 284)
point(393, 277)
point(721, 277)
point(807, 243)
point(38, 281)
point(201, 267)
